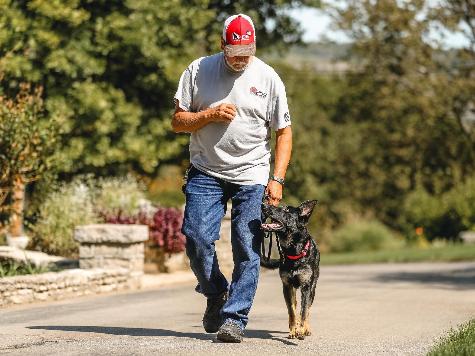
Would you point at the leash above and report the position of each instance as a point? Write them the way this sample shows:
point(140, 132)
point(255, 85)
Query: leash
point(268, 235)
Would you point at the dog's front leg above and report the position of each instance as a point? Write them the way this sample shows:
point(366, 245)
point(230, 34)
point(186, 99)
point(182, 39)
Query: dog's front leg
point(307, 299)
point(291, 302)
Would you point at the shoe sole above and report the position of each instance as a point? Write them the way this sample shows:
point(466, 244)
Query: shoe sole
point(211, 330)
point(227, 337)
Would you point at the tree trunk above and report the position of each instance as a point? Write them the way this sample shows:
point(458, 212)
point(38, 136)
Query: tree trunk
point(16, 218)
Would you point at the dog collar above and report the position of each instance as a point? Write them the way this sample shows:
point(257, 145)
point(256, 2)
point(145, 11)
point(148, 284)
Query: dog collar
point(301, 254)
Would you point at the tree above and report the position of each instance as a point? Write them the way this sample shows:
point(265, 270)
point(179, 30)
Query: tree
point(28, 142)
point(458, 17)
point(398, 102)
point(110, 68)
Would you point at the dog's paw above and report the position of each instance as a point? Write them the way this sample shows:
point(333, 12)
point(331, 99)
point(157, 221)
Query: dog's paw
point(306, 331)
point(301, 332)
point(294, 332)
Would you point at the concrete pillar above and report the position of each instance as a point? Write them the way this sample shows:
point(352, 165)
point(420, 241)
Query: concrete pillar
point(112, 245)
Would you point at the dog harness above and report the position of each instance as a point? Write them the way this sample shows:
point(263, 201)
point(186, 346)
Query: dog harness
point(301, 254)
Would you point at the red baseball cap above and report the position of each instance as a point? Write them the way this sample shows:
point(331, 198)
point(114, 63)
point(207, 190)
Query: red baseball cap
point(239, 36)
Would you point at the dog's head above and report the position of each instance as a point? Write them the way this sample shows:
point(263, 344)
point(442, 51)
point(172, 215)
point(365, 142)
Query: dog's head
point(287, 220)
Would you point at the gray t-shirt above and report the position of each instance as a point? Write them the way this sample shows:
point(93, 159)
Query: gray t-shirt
point(238, 152)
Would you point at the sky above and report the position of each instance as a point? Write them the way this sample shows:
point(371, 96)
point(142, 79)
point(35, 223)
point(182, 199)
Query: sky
point(317, 25)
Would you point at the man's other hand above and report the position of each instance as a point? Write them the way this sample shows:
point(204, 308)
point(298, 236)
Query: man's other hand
point(274, 192)
point(223, 113)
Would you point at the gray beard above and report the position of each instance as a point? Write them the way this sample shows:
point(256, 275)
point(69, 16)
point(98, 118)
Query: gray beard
point(232, 68)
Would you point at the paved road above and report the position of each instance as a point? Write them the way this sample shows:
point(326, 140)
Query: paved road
point(396, 309)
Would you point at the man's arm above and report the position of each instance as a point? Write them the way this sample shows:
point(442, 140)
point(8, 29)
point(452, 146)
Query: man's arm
point(186, 121)
point(283, 150)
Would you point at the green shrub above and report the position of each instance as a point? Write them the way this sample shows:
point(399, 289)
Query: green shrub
point(363, 235)
point(62, 210)
point(79, 203)
point(461, 200)
point(10, 269)
point(118, 195)
point(459, 342)
point(443, 215)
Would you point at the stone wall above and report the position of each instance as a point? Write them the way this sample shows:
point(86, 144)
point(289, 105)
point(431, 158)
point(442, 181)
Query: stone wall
point(159, 261)
point(112, 245)
point(60, 285)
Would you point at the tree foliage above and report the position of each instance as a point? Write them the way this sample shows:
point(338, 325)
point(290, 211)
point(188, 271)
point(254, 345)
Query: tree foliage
point(28, 140)
point(392, 124)
point(110, 68)
point(400, 102)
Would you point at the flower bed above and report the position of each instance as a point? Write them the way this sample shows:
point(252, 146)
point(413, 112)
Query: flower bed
point(164, 250)
point(164, 226)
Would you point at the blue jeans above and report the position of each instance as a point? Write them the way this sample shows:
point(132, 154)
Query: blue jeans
point(206, 200)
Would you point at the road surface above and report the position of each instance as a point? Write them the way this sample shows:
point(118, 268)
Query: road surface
point(390, 309)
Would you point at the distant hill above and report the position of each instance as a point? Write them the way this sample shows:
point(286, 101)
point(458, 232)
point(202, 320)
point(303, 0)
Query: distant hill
point(319, 56)
point(331, 57)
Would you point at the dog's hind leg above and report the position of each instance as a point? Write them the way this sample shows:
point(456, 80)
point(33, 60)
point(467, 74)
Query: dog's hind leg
point(291, 302)
point(308, 293)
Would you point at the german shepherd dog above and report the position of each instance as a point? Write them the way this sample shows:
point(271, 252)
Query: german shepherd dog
point(299, 260)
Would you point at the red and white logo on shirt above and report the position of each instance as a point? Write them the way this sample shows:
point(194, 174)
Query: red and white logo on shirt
point(261, 94)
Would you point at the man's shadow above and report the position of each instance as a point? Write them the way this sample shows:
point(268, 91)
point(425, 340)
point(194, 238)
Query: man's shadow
point(114, 330)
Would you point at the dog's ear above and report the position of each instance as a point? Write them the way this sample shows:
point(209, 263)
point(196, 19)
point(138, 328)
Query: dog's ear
point(306, 209)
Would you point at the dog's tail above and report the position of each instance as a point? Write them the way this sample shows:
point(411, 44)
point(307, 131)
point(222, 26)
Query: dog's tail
point(271, 263)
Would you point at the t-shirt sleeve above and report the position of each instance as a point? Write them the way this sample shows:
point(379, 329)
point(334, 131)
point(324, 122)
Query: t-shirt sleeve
point(184, 93)
point(280, 116)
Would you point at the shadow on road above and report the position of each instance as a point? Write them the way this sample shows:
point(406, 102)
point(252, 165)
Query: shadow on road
point(113, 330)
point(456, 279)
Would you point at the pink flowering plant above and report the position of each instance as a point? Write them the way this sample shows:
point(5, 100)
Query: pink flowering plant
point(164, 226)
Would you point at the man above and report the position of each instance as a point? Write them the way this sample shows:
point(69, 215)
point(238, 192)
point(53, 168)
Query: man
point(229, 102)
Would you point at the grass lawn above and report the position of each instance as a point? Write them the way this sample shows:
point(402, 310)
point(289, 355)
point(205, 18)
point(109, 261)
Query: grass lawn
point(448, 253)
point(460, 342)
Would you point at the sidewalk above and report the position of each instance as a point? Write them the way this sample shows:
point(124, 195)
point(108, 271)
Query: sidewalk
point(153, 281)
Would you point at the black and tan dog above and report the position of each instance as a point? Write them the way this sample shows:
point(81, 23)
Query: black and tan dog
point(299, 260)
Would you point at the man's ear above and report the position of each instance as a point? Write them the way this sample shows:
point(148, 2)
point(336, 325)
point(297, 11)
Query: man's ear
point(306, 209)
point(222, 44)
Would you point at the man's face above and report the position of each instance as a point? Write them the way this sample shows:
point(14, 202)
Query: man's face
point(236, 63)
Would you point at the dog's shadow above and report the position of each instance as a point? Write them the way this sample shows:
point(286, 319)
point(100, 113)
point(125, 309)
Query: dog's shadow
point(114, 330)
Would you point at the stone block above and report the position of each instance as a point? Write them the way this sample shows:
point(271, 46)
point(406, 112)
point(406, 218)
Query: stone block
point(36, 258)
point(109, 233)
point(87, 250)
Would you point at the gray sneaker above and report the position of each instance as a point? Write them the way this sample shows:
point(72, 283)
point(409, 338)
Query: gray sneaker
point(230, 331)
point(212, 317)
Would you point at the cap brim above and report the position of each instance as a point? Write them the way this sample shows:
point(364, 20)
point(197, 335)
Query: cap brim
point(240, 50)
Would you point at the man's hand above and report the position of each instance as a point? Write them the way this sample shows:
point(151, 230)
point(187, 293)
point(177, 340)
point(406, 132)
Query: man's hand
point(185, 121)
point(274, 192)
point(223, 113)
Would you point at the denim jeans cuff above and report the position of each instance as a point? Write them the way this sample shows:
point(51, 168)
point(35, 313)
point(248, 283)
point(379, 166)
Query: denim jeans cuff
point(234, 321)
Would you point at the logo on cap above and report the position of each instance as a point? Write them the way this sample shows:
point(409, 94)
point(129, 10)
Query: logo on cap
point(239, 30)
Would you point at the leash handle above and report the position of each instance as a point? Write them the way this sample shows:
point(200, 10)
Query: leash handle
point(265, 256)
